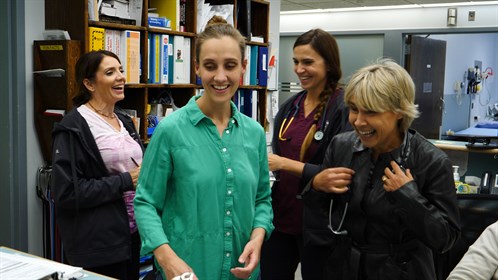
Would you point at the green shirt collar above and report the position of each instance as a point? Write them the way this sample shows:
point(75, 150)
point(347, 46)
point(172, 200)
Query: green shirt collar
point(196, 115)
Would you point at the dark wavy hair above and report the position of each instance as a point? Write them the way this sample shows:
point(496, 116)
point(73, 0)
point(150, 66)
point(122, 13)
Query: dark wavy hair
point(326, 46)
point(86, 68)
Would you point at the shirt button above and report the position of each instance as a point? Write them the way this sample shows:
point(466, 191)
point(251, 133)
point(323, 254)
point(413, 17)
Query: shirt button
point(228, 233)
point(228, 255)
point(229, 192)
point(227, 131)
point(229, 170)
point(224, 150)
point(228, 213)
point(233, 121)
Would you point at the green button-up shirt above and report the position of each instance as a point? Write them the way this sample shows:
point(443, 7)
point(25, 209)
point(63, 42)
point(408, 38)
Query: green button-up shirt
point(204, 194)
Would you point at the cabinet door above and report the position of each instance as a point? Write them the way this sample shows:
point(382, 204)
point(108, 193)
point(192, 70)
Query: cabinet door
point(426, 64)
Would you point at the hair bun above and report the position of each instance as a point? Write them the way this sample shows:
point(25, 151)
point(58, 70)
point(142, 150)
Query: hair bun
point(216, 20)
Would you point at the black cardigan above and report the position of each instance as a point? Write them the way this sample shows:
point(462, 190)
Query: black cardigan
point(89, 206)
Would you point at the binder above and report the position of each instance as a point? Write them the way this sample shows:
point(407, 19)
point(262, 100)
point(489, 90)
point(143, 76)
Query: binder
point(96, 38)
point(179, 60)
point(164, 59)
point(263, 66)
point(253, 78)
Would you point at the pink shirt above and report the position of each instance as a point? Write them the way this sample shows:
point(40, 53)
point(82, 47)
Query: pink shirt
point(117, 149)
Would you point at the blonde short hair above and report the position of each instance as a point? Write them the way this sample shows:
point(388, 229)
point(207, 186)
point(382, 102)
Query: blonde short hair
point(384, 86)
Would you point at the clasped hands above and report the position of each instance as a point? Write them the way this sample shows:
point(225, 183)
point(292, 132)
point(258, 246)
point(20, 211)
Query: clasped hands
point(338, 179)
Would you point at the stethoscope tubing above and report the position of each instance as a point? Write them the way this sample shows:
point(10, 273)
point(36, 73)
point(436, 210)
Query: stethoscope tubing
point(318, 134)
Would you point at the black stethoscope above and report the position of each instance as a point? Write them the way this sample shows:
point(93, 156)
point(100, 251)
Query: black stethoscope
point(318, 134)
point(401, 162)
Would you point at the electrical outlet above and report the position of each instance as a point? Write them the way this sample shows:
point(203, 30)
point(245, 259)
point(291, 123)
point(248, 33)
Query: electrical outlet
point(472, 15)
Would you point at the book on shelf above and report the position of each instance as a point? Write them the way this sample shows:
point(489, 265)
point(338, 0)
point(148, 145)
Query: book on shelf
point(159, 22)
point(247, 74)
point(118, 20)
point(154, 58)
point(169, 9)
point(112, 40)
point(130, 55)
point(253, 74)
point(96, 38)
point(149, 58)
point(239, 100)
point(263, 66)
point(187, 57)
point(180, 60)
point(246, 101)
point(165, 72)
point(182, 22)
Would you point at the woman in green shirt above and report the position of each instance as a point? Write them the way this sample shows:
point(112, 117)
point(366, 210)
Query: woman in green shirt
point(203, 200)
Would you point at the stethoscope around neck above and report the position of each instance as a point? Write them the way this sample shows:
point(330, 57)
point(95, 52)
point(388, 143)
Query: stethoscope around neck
point(318, 136)
point(405, 152)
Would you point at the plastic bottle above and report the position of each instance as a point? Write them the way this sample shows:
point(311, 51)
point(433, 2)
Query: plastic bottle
point(459, 186)
point(456, 175)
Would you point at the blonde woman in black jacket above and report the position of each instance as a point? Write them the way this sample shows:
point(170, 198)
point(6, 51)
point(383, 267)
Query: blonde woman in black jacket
point(392, 199)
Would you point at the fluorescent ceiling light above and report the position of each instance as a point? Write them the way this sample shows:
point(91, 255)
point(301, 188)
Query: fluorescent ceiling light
point(393, 7)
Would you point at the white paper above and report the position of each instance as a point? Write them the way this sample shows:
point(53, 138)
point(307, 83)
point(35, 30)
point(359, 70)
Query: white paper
point(16, 266)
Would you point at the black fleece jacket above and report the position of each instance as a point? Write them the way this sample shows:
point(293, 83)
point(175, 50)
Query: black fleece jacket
point(89, 206)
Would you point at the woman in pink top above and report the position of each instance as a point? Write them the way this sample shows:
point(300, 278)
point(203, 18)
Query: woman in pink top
point(96, 156)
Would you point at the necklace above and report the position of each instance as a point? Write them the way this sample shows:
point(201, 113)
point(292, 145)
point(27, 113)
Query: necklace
point(102, 113)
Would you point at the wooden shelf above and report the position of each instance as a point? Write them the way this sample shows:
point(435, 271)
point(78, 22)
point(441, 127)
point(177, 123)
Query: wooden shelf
point(73, 16)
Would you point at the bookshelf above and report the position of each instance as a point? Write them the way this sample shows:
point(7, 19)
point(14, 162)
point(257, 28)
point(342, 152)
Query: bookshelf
point(73, 16)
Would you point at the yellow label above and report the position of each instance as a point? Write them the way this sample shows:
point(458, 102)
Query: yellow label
point(51, 48)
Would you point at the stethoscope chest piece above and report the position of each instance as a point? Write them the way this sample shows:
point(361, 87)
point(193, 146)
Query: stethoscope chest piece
point(318, 135)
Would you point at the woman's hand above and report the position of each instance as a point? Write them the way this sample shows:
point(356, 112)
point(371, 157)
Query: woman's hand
point(393, 180)
point(274, 162)
point(134, 175)
point(251, 254)
point(333, 180)
point(171, 264)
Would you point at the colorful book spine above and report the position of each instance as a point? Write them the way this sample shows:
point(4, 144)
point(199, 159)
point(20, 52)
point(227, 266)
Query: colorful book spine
point(263, 66)
point(149, 58)
point(159, 22)
point(131, 40)
point(96, 38)
point(253, 78)
point(157, 58)
point(165, 59)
